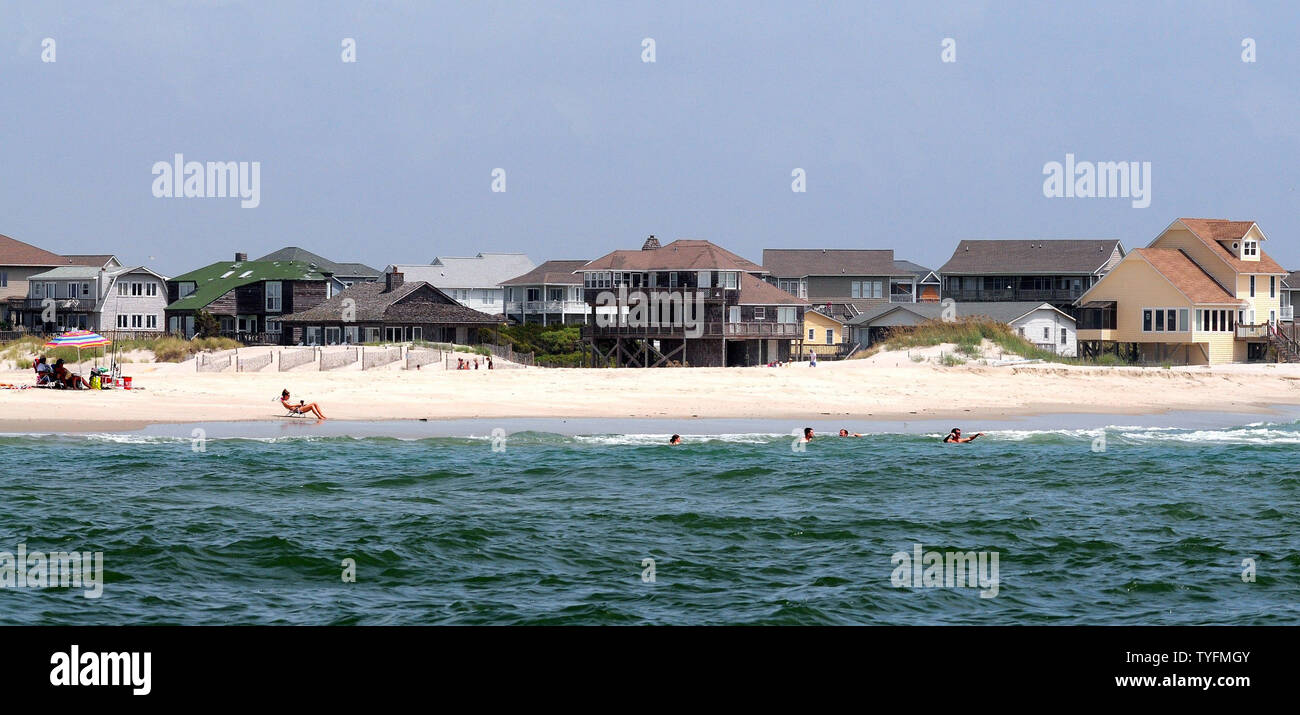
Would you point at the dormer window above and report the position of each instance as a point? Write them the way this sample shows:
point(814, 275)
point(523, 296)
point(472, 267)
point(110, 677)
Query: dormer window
point(1249, 249)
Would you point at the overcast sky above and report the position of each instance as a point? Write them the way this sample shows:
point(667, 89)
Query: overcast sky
point(390, 159)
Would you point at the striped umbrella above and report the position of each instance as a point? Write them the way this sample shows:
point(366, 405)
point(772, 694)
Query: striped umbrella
point(78, 339)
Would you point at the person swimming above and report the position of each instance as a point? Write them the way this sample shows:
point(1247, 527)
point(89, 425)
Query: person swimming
point(301, 408)
point(846, 433)
point(675, 439)
point(807, 434)
point(954, 437)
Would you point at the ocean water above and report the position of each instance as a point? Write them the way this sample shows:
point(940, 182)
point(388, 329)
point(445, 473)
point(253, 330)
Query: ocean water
point(742, 528)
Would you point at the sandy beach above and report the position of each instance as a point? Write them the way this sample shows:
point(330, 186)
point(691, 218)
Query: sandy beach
point(890, 385)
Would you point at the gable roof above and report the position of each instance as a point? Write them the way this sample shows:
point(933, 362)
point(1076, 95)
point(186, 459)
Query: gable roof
point(301, 255)
point(372, 304)
point(560, 272)
point(215, 280)
point(1028, 256)
point(1292, 281)
point(803, 262)
point(1212, 230)
point(1189, 278)
point(97, 260)
point(484, 270)
point(89, 273)
point(684, 254)
point(17, 253)
point(756, 291)
point(1002, 311)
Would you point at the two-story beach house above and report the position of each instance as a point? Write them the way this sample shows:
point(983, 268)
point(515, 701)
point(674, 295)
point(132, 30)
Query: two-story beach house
point(19, 261)
point(1203, 292)
point(689, 302)
point(248, 298)
point(474, 282)
point(109, 300)
point(842, 283)
point(548, 294)
point(1057, 271)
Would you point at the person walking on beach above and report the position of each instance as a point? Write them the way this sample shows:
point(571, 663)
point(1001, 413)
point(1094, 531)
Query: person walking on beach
point(954, 437)
point(301, 408)
point(812, 358)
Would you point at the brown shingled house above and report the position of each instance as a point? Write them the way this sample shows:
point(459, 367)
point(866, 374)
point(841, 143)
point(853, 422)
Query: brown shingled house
point(844, 283)
point(19, 261)
point(388, 311)
point(1056, 271)
point(689, 302)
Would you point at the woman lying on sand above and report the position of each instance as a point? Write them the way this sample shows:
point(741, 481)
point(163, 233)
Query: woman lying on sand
point(301, 408)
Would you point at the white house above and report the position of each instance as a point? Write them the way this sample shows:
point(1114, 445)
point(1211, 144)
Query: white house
point(1040, 323)
point(474, 282)
point(100, 299)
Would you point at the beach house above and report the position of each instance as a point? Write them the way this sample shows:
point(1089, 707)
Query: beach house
point(112, 300)
point(392, 311)
point(1290, 294)
point(689, 302)
point(474, 282)
point(842, 283)
point(1046, 326)
point(248, 298)
point(1203, 292)
point(345, 273)
point(1057, 271)
point(822, 334)
point(548, 294)
point(19, 261)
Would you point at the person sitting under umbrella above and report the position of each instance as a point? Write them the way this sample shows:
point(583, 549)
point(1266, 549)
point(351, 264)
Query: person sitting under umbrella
point(69, 379)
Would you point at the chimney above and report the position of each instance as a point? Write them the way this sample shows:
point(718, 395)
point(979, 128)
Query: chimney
point(650, 243)
point(392, 280)
point(241, 257)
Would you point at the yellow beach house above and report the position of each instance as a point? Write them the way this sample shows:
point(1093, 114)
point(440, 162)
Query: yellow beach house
point(822, 334)
point(1203, 292)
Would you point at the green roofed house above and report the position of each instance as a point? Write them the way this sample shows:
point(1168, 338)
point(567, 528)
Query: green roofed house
point(348, 273)
point(247, 297)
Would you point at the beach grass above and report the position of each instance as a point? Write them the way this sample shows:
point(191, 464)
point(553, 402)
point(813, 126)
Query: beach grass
point(969, 334)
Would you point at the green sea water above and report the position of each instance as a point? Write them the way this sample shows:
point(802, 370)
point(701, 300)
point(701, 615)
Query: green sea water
point(545, 528)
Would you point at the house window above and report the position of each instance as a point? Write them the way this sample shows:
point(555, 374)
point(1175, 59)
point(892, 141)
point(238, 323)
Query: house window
point(151, 321)
point(534, 294)
point(1021, 331)
point(1164, 320)
point(151, 289)
point(555, 294)
point(760, 313)
point(274, 295)
point(137, 289)
point(1272, 286)
point(812, 334)
point(1252, 286)
point(4, 279)
point(830, 336)
point(182, 289)
point(1250, 248)
point(705, 279)
point(137, 321)
point(731, 279)
point(121, 321)
point(1064, 334)
point(786, 315)
point(273, 326)
point(1047, 334)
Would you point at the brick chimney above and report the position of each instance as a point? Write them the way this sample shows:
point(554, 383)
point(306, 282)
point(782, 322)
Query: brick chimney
point(241, 257)
point(392, 280)
point(650, 244)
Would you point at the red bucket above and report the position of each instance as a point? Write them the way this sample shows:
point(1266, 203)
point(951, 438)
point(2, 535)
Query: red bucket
point(126, 383)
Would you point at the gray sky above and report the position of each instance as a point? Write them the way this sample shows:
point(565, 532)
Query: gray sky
point(389, 159)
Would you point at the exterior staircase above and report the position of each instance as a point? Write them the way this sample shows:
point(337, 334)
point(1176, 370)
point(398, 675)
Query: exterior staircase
point(1286, 347)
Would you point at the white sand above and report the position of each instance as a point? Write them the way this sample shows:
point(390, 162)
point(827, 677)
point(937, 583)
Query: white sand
point(888, 385)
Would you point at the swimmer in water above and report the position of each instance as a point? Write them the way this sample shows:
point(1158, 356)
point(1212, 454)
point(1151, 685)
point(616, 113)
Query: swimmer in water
point(846, 433)
point(675, 439)
point(955, 436)
point(807, 434)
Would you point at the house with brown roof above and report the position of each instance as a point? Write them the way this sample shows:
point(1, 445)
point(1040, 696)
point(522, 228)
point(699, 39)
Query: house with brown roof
point(1057, 271)
point(843, 283)
point(548, 294)
point(19, 261)
point(391, 311)
point(1203, 292)
point(689, 302)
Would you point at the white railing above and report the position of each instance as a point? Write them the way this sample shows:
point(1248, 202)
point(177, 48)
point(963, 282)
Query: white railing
point(546, 306)
point(901, 298)
point(1287, 312)
point(1259, 330)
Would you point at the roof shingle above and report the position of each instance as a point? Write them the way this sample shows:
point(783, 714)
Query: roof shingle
point(1021, 257)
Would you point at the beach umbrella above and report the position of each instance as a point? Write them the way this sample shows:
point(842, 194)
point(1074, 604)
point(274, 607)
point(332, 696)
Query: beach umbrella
point(78, 339)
